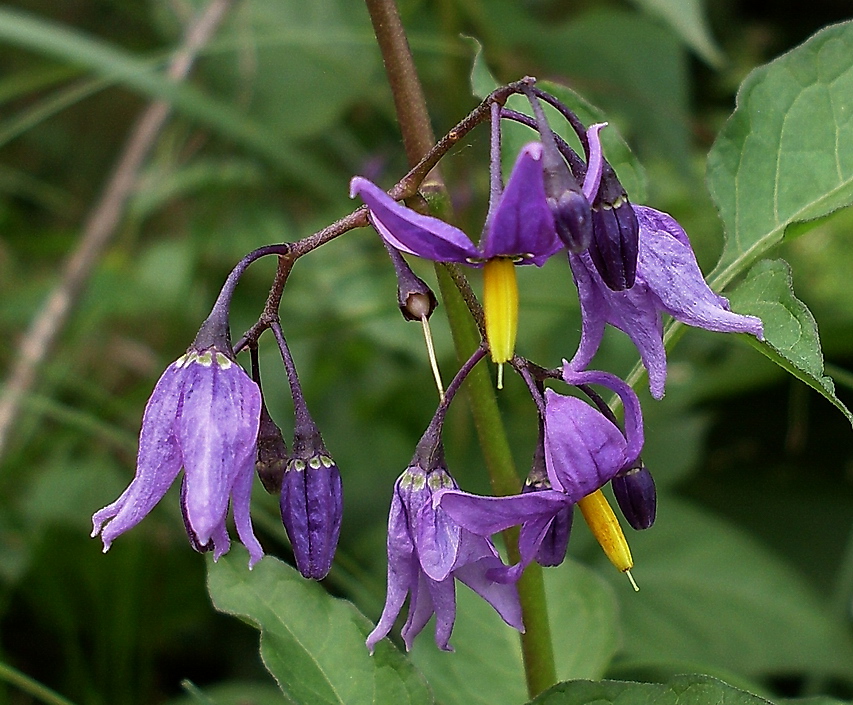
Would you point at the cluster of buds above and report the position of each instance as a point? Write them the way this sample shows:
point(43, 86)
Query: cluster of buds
point(631, 264)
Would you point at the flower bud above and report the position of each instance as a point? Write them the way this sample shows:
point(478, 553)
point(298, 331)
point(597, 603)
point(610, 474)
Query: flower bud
point(555, 542)
point(615, 233)
point(311, 509)
point(635, 493)
point(272, 453)
point(415, 299)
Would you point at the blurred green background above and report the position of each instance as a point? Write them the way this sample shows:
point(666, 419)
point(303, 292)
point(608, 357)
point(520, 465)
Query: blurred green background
point(748, 573)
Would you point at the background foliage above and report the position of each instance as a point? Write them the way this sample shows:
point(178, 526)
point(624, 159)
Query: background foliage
point(747, 576)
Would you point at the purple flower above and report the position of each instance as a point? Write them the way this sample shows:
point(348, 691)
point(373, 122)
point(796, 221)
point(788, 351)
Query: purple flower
point(668, 280)
point(584, 450)
point(427, 553)
point(203, 416)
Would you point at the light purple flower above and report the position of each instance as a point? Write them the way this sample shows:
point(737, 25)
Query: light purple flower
point(584, 450)
point(668, 280)
point(427, 553)
point(521, 226)
point(203, 415)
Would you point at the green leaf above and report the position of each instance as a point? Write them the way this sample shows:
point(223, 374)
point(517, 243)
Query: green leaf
point(786, 153)
point(680, 690)
point(487, 669)
point(312, 643)
point(687, 18)
point(790, 331)
point(713, 599)
point(483, 81)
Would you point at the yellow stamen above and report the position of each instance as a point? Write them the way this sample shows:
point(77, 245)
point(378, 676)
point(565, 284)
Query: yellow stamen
point(500, 305)
point(605, 527)
point(432, 360)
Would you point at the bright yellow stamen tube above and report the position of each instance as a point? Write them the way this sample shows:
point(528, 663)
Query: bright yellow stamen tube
point(500, 304)
point(605, 527)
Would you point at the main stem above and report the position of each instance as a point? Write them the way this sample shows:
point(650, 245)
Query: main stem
point(418, 139)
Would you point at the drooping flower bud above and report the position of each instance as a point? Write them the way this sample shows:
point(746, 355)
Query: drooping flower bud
point(635, 493)
point(555, 541)
point(272, 453)
point(311, 508)
point(615, 233)
point(415, 299)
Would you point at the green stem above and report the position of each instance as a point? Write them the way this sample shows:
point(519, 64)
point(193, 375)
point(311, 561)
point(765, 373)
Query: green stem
point(418, 138)
point(31, 687)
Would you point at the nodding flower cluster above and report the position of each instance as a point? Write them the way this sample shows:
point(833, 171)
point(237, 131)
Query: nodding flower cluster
point(630, 264)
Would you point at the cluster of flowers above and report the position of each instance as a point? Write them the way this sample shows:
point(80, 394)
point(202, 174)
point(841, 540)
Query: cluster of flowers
point(630, 263)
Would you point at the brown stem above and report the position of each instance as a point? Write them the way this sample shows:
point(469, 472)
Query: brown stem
point(100, 226)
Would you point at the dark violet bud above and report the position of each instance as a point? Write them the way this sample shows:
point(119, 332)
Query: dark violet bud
point(272, 453)
point(415, 299)
point(555, 542)
point(311, 509)
point(615, 233)
point(635, 492)
point(573, 219)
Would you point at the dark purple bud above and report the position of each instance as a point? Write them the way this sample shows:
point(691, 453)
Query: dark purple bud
point(555, 542)
point(272, 453)
point(615, 233)
point(311, 509)
point(573, 219)
point(635, 492)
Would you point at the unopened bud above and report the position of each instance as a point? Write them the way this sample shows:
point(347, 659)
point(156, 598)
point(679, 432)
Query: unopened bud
point(272, 453)
point(636, 495)
point(615, 233)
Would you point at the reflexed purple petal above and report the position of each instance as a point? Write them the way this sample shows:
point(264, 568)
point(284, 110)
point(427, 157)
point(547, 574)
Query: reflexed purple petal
point(530, 538)
point(592, 178)
point(217, 432)
point(583, 449)
point(522, 224)
point(668, 265)
point(436, 541)
point(634, 434)
point(411, 232)
point(403, 570)
point(420, 608)
point(241, 495)
point(158, 461)
point(443, 601)
point(502, 596)
point(222, 543)
point(486, 516)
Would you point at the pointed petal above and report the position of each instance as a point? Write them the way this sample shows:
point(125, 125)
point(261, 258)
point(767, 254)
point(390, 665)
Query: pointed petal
point(593, 312)
point(595, 163)
point(217, 431)
point(158, 461)
point(411, 232)
point(583, 449)
point(241, 496)
point(502, 596)
point(522, 224)
point(442, 596)
point(486, 516)
point(668, 265)
point(436, 541)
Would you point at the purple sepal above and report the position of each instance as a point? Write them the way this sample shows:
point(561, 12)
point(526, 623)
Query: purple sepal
point(522, 225)
point(203, 415)
point(427, 552)
point(311, 510)
point(635, 493)
point(668, 280)
point(555, 541)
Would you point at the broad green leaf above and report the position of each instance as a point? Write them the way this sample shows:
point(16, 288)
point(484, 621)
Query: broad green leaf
point(786, 154)
point(487, 669)
point(483, 81)
point(790, 331)
point(713, 599)
point(680, 690)
point(312, 643)
point(687, 18)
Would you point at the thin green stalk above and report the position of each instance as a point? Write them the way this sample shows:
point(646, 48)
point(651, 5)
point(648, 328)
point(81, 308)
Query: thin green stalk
point(32, 687)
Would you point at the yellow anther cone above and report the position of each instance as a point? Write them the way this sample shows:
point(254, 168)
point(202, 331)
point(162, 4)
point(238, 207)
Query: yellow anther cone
point(500, 304)
point(605, 527)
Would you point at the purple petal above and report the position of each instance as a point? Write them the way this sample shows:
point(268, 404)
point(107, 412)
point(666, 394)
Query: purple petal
point(241, 495)
point(217, 431)
point(522, 224)
point(668, 265)
point(403, 571)
point(158, 460)
point(595, 163)
point(442, 595)
point(502, 596)
point(421, 609)
point(633, 413)
point(436, 538)
point(583, 449)
point(486, 516)
point(530, 537)
point(411, 232)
